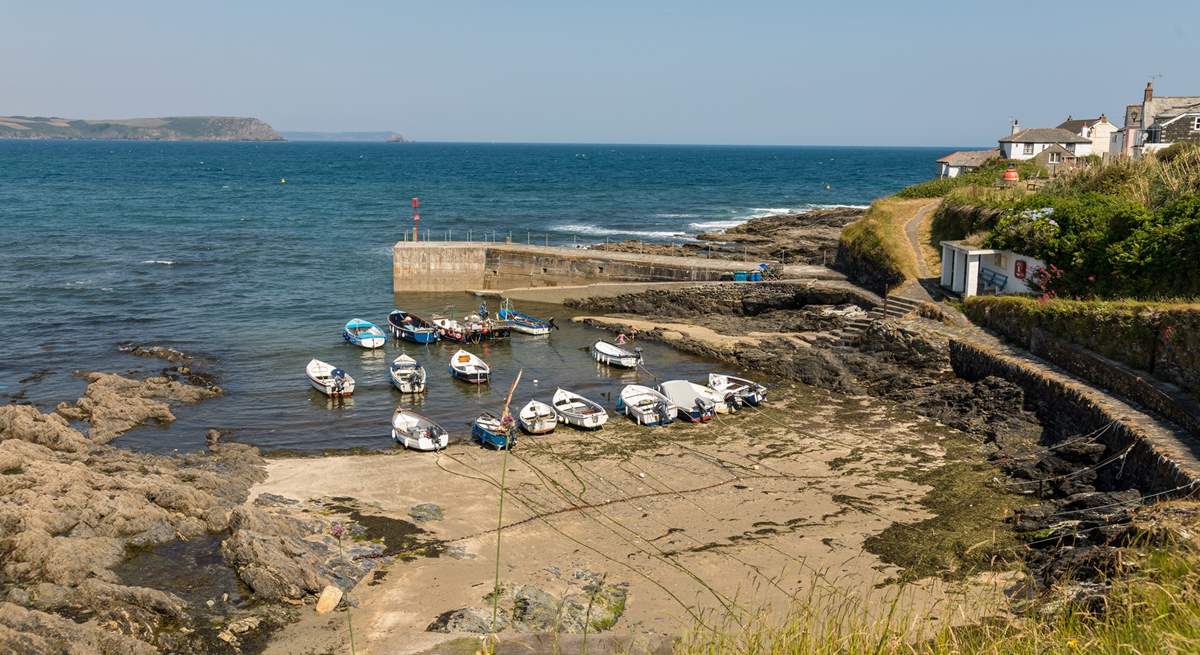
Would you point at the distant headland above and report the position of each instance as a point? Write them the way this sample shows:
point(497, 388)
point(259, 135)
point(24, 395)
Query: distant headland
point(357, 137)
point(169, 128)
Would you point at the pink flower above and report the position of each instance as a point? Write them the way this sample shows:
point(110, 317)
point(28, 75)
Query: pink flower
point(337, 530)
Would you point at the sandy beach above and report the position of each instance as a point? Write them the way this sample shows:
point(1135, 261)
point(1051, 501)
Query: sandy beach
point(740, 515)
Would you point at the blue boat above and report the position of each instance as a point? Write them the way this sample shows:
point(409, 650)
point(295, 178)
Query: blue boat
point(410, 327)
point(491, 431)
point(522, 322)
point(364, 334)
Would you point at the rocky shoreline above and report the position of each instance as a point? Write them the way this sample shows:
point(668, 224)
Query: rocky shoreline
point(796, 238)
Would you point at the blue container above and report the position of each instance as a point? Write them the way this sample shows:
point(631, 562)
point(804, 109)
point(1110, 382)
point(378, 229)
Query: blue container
point(739, 276)
point(756, 277)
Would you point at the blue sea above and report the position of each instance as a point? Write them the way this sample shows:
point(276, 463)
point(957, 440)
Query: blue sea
point(204, 248)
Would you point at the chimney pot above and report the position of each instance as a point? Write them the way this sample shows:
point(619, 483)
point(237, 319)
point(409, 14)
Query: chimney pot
point(1149, 94)
point(1016, 126)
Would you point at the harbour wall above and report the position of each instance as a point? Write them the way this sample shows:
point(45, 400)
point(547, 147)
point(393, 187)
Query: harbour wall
point(463, 266)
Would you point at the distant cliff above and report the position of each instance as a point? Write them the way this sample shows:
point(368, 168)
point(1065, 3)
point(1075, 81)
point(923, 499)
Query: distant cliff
point(171, 128)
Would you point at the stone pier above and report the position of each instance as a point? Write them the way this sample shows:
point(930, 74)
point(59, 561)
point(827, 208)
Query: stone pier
point(462, 266)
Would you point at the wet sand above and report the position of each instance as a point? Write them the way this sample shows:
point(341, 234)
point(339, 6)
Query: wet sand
point(749, 512)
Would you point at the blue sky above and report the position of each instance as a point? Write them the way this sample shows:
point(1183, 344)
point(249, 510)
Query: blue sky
point(845, 72)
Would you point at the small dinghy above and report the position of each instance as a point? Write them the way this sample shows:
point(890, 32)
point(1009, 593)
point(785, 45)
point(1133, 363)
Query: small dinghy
point(499, 433)
point(696, 403)
point(364, 334)
point(410, 327)
point(646, 406)
point(449, 329)
point(329, 380)
point(469, 368)
point(522, 322)
point(407, 375)
point(614, 355)
point(574, 409)
point(412, 430)
point(747, 392)
point(536, 417)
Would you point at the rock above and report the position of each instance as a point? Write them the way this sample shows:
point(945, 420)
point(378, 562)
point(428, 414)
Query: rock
point(246, 624)
point(160, 352)
point(469, 619)
point(529, 609)
point(32, 632)
point(114, 404)
point(425, 512)
point(330, 597)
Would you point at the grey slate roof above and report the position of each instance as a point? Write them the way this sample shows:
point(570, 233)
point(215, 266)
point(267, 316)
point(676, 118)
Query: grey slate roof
point(1044, 135)
point(970, 158)
point(1077, 124)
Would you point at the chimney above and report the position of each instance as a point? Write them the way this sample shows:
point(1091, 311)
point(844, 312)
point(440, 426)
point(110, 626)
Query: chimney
point(1016, 126)
point(1149, 94)
point(1103, 118)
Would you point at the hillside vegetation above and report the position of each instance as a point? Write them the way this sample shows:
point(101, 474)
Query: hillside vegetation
point(874, 250)
point(171, 128)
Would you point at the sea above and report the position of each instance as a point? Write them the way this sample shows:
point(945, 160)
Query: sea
point(252, 256)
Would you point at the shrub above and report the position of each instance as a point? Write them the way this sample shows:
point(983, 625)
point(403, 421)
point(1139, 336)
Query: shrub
point(986, 176)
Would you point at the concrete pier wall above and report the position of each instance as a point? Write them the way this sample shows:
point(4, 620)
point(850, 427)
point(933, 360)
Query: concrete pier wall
point(460, 266)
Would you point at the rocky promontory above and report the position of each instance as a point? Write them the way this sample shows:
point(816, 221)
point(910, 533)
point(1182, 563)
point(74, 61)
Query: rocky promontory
point(168, 128)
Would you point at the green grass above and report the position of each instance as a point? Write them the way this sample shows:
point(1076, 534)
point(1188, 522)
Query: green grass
point(877, 241)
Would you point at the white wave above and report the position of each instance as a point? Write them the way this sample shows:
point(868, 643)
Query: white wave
point(604, 231)
point(676, 215)
point(763, 212)
point(718, 225)
point(164, 262)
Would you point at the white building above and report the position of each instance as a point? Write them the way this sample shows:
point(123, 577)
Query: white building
point(1027, 144)
point(963, 161)
point(1156, 123)
point(1098, 130)
point(970, 270)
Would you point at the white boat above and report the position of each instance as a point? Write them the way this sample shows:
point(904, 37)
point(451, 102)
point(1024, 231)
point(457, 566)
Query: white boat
point(407, 375)
point(614, 355)
point(537, 417)
point(747, 392)
point(328, 379)
point(469, 368)
point(696, 403)
point(412, 430)
point(646, 406)
point(574, 409)
point(364, 333)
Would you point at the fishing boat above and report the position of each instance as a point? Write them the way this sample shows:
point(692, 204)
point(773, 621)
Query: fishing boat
point(329, 380)
point(646, 406)
point(449, 329)
point(614, 355)
point(412, 430)
point(696, 403)
point(364, 334)
point(536, 417)
point(469, 368)
point(407, 375)
point(524, 323)
point(747, 392)
point(410, 327)
point(498, 433)
point(574, 409)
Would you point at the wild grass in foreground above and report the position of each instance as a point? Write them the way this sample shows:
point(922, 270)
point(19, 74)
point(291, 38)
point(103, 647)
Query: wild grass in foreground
point(1156, 610)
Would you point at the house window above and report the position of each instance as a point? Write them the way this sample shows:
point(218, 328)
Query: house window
point(1196, 124)
point(1056, 158)
point(1071, 148)
point(1028, 149)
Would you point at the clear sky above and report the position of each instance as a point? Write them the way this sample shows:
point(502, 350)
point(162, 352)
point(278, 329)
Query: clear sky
point(850, 72)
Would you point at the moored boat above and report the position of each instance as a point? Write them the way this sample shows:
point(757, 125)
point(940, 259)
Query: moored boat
point(746, 392)
point(646, 406)
point(407, 375)
point(695, 402)
point(364, 334)
point(469, 368)
point(536, 417)
point(328, 379)
point(412, 430)
point(410, 327)
point(575, 410)
point(522, 322)
point(449, 329)
point(499, 433)
point(614, 355)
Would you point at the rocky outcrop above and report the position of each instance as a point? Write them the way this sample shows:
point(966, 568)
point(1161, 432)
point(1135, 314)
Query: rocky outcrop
point(113, 404)
point(590, 603)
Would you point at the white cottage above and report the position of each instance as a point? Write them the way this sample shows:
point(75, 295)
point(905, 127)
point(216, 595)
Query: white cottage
point(970, 270)
point(956, 163)
point(1029, 143)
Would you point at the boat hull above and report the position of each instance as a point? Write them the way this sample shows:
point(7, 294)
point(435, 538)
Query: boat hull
point(470, 378)
point(585, 422)
point(695, 415)
point(407, 386)
point(544, 425)
point(421, 335)
point(646, 416)
point(346, 391)
point(626, 361)
point(369, 342)
point(494, 438)
point(536, 331)
point(420, 443)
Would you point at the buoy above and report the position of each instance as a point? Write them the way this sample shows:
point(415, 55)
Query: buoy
point(828, 187)
point(283, 180)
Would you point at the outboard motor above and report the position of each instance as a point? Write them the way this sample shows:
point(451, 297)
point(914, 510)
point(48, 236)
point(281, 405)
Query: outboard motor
point(663, 414)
